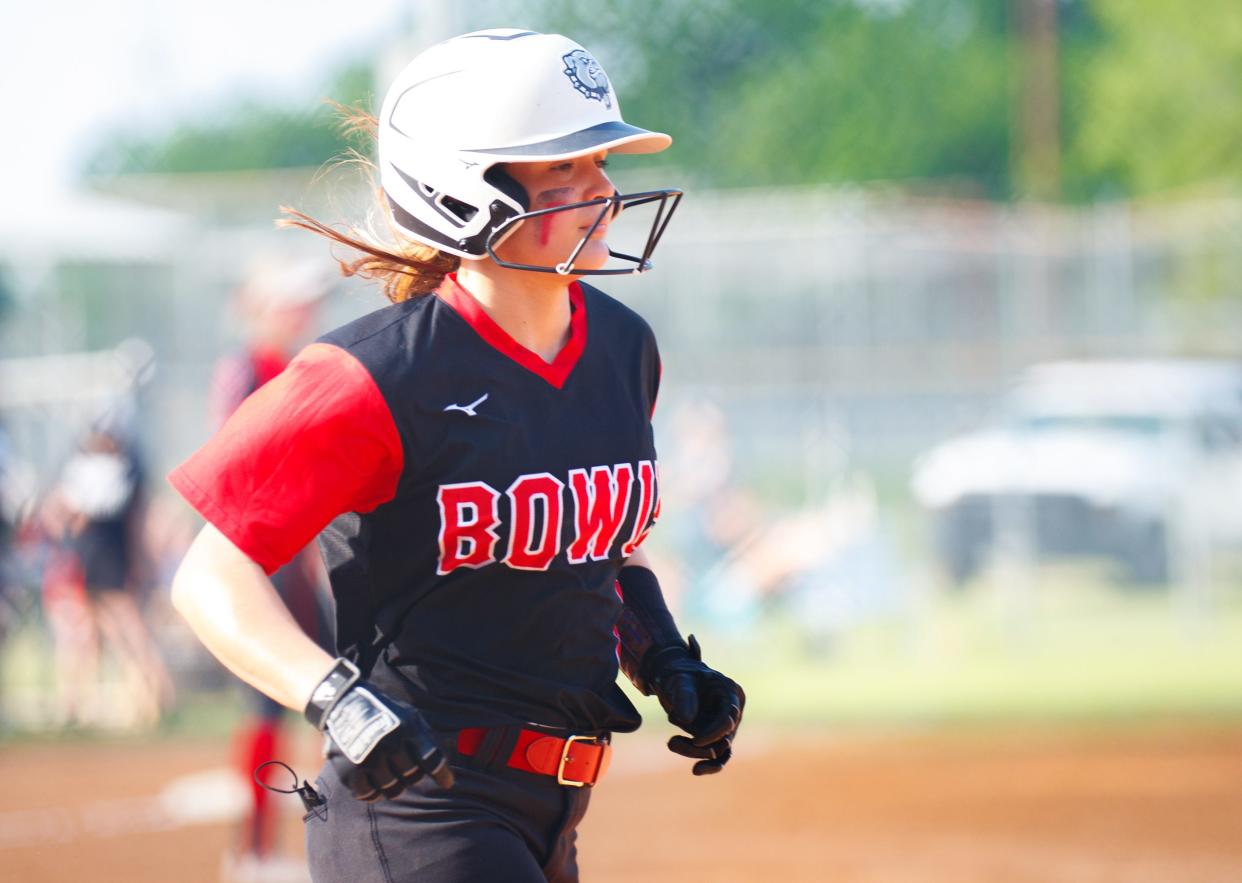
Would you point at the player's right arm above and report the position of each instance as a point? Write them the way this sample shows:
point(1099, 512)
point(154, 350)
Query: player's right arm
point(233, 608)
point(315, 442)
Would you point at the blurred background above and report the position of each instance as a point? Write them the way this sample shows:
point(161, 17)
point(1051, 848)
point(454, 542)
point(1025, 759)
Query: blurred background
point(950, 426)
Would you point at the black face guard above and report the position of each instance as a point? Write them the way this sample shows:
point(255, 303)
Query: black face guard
point(607, 205)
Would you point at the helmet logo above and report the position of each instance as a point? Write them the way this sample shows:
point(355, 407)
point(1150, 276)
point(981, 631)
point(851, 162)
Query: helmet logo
point(587, 76)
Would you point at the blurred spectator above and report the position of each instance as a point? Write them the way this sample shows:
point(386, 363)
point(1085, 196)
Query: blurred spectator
point(715, 518)
point(95, 511)
point(8, 532)
point(279, 303)
point(15, 489)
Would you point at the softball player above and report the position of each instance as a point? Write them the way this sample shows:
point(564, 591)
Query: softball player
point(478, 463)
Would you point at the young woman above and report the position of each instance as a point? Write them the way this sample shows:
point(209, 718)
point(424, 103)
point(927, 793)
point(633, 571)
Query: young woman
point(478, 462)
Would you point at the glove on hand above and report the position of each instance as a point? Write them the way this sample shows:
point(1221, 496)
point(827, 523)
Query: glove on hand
point(377, 746)
point(701, 701)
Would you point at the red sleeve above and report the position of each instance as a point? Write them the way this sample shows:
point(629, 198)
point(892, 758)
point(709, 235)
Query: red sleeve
point(317, 441)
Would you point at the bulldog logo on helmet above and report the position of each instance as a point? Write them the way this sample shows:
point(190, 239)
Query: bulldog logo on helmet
point(587, 76)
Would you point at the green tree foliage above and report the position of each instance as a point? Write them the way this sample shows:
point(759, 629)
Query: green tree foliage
point(1162, 96)
point(797, 91)
point(920, 94)
point(834, 91)
point(250, 135)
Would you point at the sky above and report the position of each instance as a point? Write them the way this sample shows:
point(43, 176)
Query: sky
point(71, 71)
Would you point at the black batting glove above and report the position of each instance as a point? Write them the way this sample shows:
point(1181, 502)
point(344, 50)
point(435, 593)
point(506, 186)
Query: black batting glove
point(377, 745)
point(700, 700)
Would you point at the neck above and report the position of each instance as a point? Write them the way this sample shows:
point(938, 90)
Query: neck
point(532, 308)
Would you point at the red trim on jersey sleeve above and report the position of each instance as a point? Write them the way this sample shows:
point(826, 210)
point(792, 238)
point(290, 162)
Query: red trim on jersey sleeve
point(316, 441)
point(555, 372)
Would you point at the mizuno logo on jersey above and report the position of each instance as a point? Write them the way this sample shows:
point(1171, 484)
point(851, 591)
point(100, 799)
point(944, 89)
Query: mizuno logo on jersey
point(468, 410)
point(609, 510)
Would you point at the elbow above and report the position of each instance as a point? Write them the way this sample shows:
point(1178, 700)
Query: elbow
point(193, 574)
point(208, 577)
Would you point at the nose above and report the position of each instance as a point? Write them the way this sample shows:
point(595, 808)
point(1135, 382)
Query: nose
point(599, 184)
point(603, 187)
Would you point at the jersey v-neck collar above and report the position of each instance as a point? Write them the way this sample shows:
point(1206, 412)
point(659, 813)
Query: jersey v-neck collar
point(555, 372)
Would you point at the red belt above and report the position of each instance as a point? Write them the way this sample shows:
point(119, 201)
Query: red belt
point(575, 761)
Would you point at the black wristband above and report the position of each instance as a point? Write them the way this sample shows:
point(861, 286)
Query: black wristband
point(640, 590)
point(645, 627)
point(330, 690)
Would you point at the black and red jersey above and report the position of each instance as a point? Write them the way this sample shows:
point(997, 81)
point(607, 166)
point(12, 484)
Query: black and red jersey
point(473, 502)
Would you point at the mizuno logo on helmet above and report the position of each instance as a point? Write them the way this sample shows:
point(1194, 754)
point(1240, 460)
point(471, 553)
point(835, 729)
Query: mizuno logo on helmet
point(587, 76)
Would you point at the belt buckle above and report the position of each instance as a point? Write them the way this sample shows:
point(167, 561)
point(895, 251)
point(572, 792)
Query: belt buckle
point(560, 769)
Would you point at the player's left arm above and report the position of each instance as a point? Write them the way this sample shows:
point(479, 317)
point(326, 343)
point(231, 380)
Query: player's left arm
point(658, 661)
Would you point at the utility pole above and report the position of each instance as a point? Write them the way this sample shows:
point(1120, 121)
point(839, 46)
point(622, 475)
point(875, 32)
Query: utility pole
point(1036, 150)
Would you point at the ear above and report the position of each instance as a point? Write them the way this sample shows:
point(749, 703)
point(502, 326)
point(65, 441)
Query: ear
point(499, 177)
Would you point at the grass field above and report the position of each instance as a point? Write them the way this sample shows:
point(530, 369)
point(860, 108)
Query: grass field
point(1073, 649)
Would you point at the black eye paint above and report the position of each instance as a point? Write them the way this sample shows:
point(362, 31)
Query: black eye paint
point(555, 196)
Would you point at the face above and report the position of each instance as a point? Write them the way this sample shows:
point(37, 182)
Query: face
point(550, 239)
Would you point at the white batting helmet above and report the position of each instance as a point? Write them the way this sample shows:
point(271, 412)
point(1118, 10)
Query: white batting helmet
point(464, 107)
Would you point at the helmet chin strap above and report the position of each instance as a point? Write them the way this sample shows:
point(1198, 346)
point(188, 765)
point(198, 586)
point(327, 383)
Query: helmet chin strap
point(609, 206)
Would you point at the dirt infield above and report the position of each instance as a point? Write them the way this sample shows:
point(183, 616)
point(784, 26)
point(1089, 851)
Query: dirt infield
point(1157, 804)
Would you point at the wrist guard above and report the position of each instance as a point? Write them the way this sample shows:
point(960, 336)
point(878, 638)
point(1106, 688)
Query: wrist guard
point(329, 692)
point(648, 635)
point(378, 746)
point(354, 716)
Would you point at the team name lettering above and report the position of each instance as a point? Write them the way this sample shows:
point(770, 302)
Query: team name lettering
point(529, 548)
point(469, 515)
point(601, 502)
point(601, 497)
point(648, 509)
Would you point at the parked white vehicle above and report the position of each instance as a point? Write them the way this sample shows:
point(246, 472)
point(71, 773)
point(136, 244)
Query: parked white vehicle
point(1128, 459)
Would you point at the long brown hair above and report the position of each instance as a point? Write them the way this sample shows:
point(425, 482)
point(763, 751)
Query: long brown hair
point(404, 267)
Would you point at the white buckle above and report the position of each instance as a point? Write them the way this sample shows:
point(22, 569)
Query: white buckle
point(560, 769)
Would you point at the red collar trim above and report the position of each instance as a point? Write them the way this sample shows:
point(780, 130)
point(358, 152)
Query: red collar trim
point(555, 372)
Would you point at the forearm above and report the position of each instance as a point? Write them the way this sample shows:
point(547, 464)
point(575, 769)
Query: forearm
point(645, 626)
point(234, 609)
